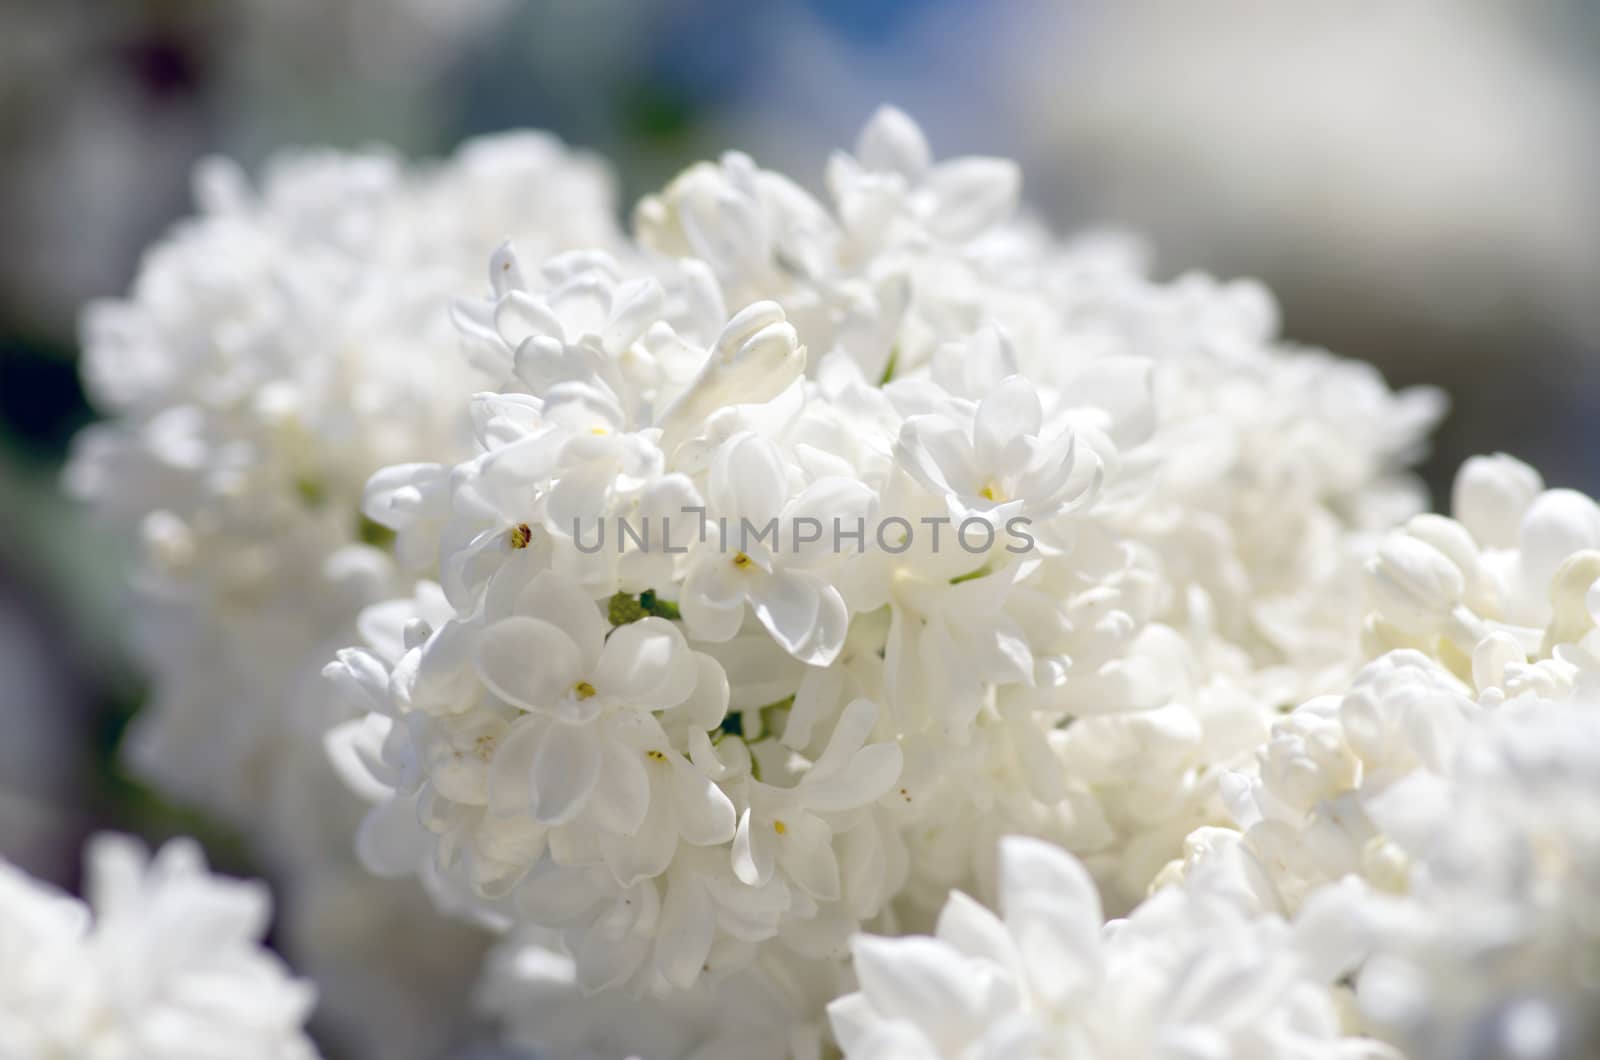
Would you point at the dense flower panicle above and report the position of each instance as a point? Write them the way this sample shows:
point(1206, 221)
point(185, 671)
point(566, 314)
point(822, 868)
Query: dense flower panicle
point(805, 549)
point(164, 962)
point(715, 607)
point(275, 351)
point(1496, 609)
point(1452, 783)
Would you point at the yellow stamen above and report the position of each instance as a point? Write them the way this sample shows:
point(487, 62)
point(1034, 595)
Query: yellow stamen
point(991, 492)
point(780, 827)
point(741, 560)
point(656, 756)
point(584, 689)
point(521, 534)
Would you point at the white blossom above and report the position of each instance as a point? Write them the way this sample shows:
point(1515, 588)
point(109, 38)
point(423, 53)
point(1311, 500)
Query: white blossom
point(1188, 973)
point(1487, 953)
point(804, 549)
point(164, 960)
point(275, 351)
point(711, 607)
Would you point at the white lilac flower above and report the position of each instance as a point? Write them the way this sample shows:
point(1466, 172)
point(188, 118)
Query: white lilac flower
point(1304, 811)
point(1503, 595)
point(1491, 951)
point(754, 588)
point(1495, 611)
point(1274, 466)
point(1188, 973)
point(786, 586)
point(164, 960)
point(275, 351)
point(816, 700)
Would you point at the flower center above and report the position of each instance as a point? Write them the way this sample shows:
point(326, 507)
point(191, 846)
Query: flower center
point(780, 828)
point(992, 492)
point(655, 756)
point(521, 534)
point(583, 690)
point(742, 560)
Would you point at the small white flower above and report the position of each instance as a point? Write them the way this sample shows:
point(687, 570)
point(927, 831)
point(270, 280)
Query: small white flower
point(164, 960)
point(1185, 974)
point(998, 463)
point(754, 554)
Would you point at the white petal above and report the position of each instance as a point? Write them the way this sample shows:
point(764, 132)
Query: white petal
point(872, 771)
point(647, 853)
point(752, 854)
point(559, 600)
point(688, 925)
point(511, 771)
point(1490, 497)
point(806, 852)
point(646, 664)
point(603, 961)
point(971, 928)
point(635, 305)
point(1052, 909)
point(921, 982)
point(891, 142)
point(850, 734)
point(705, 813)
point(786, 602)
point(566, 768)
point(355, 750)
point(712, 602)
point(622, 799)
point(1006, 418)
point(577, 504)
point(528, 662)
point(1558, 524)
point(836, 505)
point(519, 316)
point(833, 625)
point(707, 705)
point(583, 303)
point(748, 482)
point(938, 454)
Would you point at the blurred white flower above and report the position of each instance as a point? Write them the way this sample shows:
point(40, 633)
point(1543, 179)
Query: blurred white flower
point(1491, 951)
point(275, 351)
point(164, 960)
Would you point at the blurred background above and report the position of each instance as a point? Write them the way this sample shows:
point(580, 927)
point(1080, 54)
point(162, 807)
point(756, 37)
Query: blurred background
point(1419, 183)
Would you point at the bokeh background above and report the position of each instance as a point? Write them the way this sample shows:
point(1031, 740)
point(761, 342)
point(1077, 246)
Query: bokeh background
point(1418, 182)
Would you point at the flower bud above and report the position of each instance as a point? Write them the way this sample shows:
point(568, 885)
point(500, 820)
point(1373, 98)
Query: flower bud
point(1491, 494)
point(1414, 585)
point(1559, 523)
